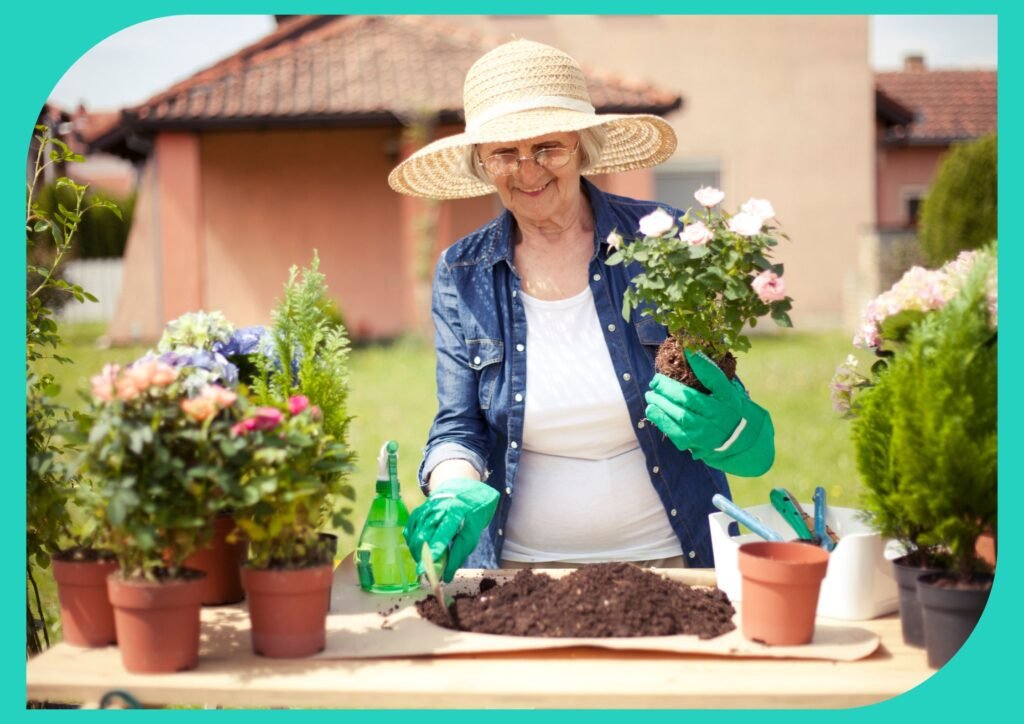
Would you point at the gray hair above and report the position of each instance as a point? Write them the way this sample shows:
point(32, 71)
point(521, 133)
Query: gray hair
point(592, 141)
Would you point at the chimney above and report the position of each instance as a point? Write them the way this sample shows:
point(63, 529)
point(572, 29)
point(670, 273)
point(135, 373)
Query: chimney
point(913, 62)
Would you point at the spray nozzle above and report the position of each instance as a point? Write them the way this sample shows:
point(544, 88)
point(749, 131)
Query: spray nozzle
point(388, 454)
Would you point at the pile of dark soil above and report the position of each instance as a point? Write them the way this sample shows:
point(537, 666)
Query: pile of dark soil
point(671, 362)
point(604, 600)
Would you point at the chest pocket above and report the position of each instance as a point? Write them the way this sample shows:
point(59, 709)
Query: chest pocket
point(485, 356)
point(651, 335)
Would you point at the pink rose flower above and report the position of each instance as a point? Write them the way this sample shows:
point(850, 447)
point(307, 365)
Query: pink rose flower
point(615, 240)
point(656, 223)
point(769, 286)
point(221, 396)
point(297, 403)
point(708, 196)
point(103, 383)
point(239, 428)
point(127, 389)
point(696, 234)
point(163, 375)
point(266, 418)
point(762, 208)
point(315, 412)
point(745, 224)
point(199, 408)
point(141, 374)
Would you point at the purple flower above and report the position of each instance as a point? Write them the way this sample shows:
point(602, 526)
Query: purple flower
point(246, 340)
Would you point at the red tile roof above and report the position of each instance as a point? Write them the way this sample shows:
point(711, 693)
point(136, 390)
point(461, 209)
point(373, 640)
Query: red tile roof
point(357, 69)
point(949, 105)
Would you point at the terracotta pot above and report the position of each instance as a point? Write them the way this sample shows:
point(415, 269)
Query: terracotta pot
point(157, 623)
point(950, 613)
point(221, 561)
point(85, 611)
point(781, 582)
point(288, 610)
point(911, 621)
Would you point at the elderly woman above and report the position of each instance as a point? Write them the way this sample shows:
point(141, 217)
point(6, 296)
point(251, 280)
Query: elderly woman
point(541, 453)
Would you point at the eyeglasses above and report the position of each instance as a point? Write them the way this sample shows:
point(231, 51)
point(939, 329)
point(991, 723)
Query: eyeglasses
point(505, 164)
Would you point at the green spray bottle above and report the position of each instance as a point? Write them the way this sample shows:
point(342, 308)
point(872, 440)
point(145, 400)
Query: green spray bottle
point(383, 561)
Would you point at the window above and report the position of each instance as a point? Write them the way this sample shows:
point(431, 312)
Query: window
point(675, 184)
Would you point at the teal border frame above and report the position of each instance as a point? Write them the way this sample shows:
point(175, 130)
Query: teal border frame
point(980, 682)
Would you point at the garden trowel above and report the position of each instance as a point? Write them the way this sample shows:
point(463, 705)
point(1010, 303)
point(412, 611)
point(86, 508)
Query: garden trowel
point(436, 585)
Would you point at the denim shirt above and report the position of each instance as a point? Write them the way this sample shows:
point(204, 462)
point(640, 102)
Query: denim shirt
point(481, 351)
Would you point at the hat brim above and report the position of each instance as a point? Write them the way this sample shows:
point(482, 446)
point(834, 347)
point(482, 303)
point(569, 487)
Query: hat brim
point(436, 171)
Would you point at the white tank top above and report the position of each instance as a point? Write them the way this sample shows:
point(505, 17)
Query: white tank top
point(583, 493)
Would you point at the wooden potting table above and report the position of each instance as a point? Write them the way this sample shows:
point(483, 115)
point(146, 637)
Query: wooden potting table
point(230, 675)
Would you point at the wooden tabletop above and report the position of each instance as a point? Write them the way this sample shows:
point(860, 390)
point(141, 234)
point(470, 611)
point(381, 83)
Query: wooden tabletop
point(230, 675)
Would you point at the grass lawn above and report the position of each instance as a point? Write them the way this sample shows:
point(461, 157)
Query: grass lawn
point(393, 397)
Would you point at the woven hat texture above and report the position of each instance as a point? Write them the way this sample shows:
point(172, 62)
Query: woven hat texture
point(524, 89)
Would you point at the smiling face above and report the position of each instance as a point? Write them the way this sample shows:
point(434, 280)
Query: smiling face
point(535, 194)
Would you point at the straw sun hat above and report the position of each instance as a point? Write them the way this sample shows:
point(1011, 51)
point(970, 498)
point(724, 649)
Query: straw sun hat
point(520, 90)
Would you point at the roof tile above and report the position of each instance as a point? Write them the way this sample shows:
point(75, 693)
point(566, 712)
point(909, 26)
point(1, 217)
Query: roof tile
point(949, 105)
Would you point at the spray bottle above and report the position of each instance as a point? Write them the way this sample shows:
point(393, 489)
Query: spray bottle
point(383, 560)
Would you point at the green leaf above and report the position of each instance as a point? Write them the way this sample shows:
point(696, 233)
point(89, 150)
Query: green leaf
point(109, 205)
point(614, 258)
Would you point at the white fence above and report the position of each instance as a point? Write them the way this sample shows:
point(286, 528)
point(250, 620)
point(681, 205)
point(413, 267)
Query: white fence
point(102, 279)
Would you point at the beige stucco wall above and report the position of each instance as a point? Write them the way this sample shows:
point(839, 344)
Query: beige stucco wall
point(784, 105)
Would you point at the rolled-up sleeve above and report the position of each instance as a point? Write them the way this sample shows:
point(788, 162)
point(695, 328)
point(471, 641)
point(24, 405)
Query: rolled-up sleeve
point(459, 430)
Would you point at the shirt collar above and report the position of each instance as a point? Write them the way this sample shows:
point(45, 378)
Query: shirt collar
point(604, 224)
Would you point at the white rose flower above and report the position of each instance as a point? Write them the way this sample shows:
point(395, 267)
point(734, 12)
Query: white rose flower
point(759, 207)
point(745, 224)
point(696, 234)
point(615, 240)
point(708, 196)
point(656, 223)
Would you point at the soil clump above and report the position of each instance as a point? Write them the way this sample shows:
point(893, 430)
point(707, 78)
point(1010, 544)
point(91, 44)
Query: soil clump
point(604, 600)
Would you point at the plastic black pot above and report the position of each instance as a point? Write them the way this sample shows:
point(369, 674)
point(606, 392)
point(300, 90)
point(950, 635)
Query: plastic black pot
point(950, 613)
point(911, 621)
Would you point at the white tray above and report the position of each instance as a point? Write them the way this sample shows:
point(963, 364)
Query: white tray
point(859, 584)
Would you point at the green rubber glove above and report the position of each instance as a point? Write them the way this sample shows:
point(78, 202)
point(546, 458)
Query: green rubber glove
point(726, 429)
point(451, 521)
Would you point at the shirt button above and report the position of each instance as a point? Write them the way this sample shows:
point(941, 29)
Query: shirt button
point(597, 277)
point(640, 424)
point(627, 377)
point(674, 512)
point(476, 360)
point(611, 327)
point(514, 444)
point(520, 348)
point(501, 532)
point(655, 469)
point(514, 292)
point(692, 554)
point(519, 398)
point(508, 491)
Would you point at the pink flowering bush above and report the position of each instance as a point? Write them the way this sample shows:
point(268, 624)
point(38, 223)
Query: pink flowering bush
point(162, 461)
point(295, 473)
point(888, 319)
point(706, 275)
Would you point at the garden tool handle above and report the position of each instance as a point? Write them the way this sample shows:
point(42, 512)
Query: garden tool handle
point(748, 519)
point(821, 528)
point(788, 507)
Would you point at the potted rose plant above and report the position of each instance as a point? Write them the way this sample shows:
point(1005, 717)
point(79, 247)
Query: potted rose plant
point(158, 457)
point(925, 434)
point(705, 277)
point(215, 352)
point(300, 457)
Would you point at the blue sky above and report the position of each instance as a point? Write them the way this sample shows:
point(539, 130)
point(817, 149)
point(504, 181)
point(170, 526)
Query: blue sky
point(137, 62)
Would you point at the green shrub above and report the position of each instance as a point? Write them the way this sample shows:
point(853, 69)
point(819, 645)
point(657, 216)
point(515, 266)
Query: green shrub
point(959, 212)
point(926, 432)
point(101, 235)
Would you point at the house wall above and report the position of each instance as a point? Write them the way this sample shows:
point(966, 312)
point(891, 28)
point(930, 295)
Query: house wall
point(782, 106)
point(904, 171)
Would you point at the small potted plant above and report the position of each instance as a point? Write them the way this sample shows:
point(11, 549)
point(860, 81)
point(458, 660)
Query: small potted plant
point(297, 482)
point(158, 457)
point(925, 434)
point(214, 351)
point(705, 277)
